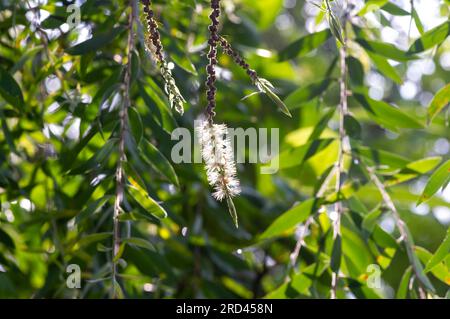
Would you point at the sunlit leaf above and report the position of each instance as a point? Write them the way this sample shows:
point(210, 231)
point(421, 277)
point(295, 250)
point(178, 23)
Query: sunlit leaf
point(430, 38)
point(143, 199)
point(289, 219)
point(440, 254)
point(439, 102)
point(304, 45)
point(439, 179)
point(95, 43)
point(10, 90)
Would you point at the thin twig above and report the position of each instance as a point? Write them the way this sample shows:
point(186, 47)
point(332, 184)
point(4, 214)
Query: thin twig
point(303, 228)
point(343, 143)
point(404, 233)
point(123, 115)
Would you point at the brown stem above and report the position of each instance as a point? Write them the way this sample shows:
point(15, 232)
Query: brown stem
point(123, 116)
point(404, 233)
point(343, 143)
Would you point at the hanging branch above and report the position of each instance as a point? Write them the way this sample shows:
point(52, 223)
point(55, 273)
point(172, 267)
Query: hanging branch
point(216, 145)
point(212, 59)
point(344, 147)
point(155, 47)
point(303, 228)
point(263, 85)
point(405, 235)
point(123, 118)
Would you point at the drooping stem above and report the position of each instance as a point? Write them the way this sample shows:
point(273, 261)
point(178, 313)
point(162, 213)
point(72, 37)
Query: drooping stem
point(404, 233)
point(237, 58)
point(303, 228)
point(212, 58)
point(343, 145)
point(155, 46)
point(123, 118)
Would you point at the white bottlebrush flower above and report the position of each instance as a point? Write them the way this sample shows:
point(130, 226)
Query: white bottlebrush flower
point(219, 160)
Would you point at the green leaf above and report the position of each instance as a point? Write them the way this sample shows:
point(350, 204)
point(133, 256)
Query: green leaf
point(382, 238)
point(305, 94)
point(119, 253)
point(356, 71)
point(10, 90)
point(439, 102)
point(413, 169)
point(96, 42)
point(232, 211)
point(336, 254)
point(417, 21)
point(6, 240)
point(394, 9)
point(139, 242)
point(440, 254)
point(384, 67)
point(415, 262)
point(440, 271)
point(92, 238)
point(385, 49)
point(372, 5)
point(370, 220)
point(289, 219)
point(440, 178)
point(335, 24)
point(403, 288)
point(266, 87)
point(137, 128)
point(380, 157)
point(320, 126)
point(352, 127)
point(430, 38)
point(297, 155)
point(386, 115)
point(152, 156)
point(304, 45)
point(142, 198)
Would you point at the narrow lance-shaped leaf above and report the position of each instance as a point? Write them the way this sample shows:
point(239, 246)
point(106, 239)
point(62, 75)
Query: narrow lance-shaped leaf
point(335, 24)
point(305, 94)
point(441, 253)
point(136, 125)
point(386, 115)
point(394, 9)
point(267, 88)
point(304, 45)
point(384, 67)
point(403, 288)
point(336, 254)
point(430, 38)
point(10, 90)
point(372, 5)
point(232, 210)
point(440, 178)
point(143, 199)
point(152, 156)
point(385, 49)
point(439, 102)
point(417, 21)
point(288, 220)
point(95, 43)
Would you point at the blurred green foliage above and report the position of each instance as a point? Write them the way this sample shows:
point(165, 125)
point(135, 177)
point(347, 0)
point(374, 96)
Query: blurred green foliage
point(60, 93)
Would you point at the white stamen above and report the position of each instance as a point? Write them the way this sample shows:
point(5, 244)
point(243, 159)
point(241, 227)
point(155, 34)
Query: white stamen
point(218, 156)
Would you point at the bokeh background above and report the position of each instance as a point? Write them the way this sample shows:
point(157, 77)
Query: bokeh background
point(57, 161)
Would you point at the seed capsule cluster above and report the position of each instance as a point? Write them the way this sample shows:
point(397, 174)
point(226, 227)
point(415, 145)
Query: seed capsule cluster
point(155, 46)
point(237, 58)
point(212, 57)
point(155, 37)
